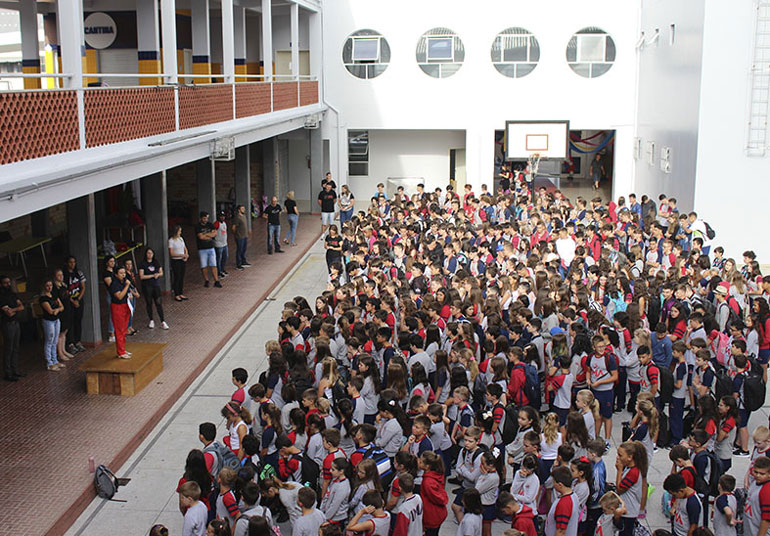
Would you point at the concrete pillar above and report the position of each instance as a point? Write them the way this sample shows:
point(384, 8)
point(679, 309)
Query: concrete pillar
point(30, 51)
point(148, 40)
point(243, 180)
point(168, 26)
point(228, 41)
point(215, 33)
point(207, 192)
point(239, 35)
point(295, 41)
point(252, 45)
point(316, 46)
point(155, 205)
point(201, 40)
point(270, 174)
point(316, 166)
point(70, 25)
point(480, 157)
point(81, 233)
point(267, 39)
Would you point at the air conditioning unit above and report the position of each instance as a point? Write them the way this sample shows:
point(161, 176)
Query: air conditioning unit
point(223, 149)
point(312, 122)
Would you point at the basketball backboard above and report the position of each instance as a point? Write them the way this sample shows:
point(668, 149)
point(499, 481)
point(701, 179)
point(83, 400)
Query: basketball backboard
point(549, 139)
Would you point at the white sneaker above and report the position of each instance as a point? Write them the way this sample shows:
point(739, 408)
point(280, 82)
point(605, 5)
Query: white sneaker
point(164, 325)
point(152, 324)
point(112, 338)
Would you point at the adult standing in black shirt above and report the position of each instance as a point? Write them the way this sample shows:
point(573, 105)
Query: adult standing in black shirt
point(61, 291)
point(150, 271)
point(10, 307)
point(204, 238)
point(327, 199)
point(333, 245)
point(292, 214)
point(76, 284)
point(273, 214)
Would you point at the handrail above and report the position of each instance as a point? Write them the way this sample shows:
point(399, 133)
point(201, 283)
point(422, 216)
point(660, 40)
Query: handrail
point(304, 77)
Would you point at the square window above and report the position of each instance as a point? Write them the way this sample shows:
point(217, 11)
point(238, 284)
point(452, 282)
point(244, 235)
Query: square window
point(366, 49)
point(591, 47)
point(440, 48)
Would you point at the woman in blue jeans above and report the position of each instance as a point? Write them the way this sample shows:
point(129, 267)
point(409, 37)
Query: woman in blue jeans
point(345, 201)
point(52, 308)
point(292, 214)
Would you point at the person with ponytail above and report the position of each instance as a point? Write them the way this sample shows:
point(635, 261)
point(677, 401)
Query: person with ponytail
point(631, 482)
point(646, 432)
point(582, 485)
point(588, 407)
point(392, 426)
point(335, 501)
point(487, 485)
point(370, 391)
point(237, 417)
point(433, 492)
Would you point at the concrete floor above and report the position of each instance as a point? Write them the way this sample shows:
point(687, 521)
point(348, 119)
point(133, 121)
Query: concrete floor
point(157, 464)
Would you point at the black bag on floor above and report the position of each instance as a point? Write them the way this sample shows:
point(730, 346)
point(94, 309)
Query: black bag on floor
point(626, 431)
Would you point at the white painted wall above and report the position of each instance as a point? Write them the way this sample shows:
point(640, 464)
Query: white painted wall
point(732, 189)
point(669, 96)
point(407, 153)
point(478, 99)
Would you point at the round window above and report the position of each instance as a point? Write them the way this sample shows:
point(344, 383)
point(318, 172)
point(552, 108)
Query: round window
point(440, 53)
point(366, 54)
point(515, 52)
point(591, 52)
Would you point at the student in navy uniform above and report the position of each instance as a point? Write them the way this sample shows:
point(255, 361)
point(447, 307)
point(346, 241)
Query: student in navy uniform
point(701, 461)
point(725, 507)
point(676, 409)
point(687, 507)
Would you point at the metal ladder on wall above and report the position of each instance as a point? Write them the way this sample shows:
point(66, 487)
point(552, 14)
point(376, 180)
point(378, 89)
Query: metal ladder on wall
point(758, 141)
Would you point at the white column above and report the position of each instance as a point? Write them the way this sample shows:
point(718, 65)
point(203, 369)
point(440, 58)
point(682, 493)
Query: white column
point(70, 25)
point(267, 39)
point(148, 39)
point(168, 25)
point(30, 49)
point(239, 33)
point(295, 41)
point(316, 45)
point(480, 157)
point(228, 42)
point(201, 40)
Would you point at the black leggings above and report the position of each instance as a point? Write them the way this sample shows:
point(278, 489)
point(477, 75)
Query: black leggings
point(152, 294)
point(177, 276)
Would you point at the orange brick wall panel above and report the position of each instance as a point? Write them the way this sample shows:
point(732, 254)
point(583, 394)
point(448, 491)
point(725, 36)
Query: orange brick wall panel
point(252, 99)
point(284, 95)
point(121, 114)
point(37, 123)
point(308, 93)
point(205, 104)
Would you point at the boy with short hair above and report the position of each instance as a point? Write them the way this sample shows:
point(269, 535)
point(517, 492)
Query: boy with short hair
point(742, 367)
point(240, 377)
point(250, 498)
point(562, 518)
point(687, 507)
point(676, 409)
point(561, 385)
point(494, 394)
point(195, 512)
point(699, 440)
point(761, 437)
point(331, 441)
point(227, 505)
point(468, 467)
point(602, 375)
point(465, 415)
point(756, 512)
point(522, 516)
point(683, 465)
point(725, 507)
point(419, 441)
point(594, 452)
point(312, 518)
point(355, 384)
point(439, 436)
point(409, 518)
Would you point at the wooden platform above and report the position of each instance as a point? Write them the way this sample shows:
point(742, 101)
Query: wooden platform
point(108, 375)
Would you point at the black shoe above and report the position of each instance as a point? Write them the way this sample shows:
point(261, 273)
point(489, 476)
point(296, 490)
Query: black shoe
point(217, 284)
point(269, 252)
point(225, 272)
point(11, 378)
point(455, 480)
point(239, 268)
point(279, 251)
point(246, 264)
point(20, 374)
point(618, 410)
point(206, 284)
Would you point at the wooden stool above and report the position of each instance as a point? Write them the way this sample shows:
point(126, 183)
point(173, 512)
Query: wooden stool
point(106, 374)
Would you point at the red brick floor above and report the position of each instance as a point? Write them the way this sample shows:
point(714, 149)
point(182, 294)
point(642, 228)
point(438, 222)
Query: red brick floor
point(51, 426)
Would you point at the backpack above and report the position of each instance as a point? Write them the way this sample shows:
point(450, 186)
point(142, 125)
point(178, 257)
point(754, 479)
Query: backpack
point(384, 467)
point(511, 424)
point(723, 383)
point(733, 310)
point(708, 487)
point(532, 385)
point(664, 431)
point(753, 387)
point(480, 390)
point(721, 348)
point(666, 383)
point(224, 457)
point(618, 304)
point(105, 483)
point(710, 233)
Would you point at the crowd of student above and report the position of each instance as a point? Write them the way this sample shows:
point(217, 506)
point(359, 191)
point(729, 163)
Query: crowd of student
point(490, 339)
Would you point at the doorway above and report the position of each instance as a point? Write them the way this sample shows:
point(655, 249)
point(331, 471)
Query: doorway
point(457, 172)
